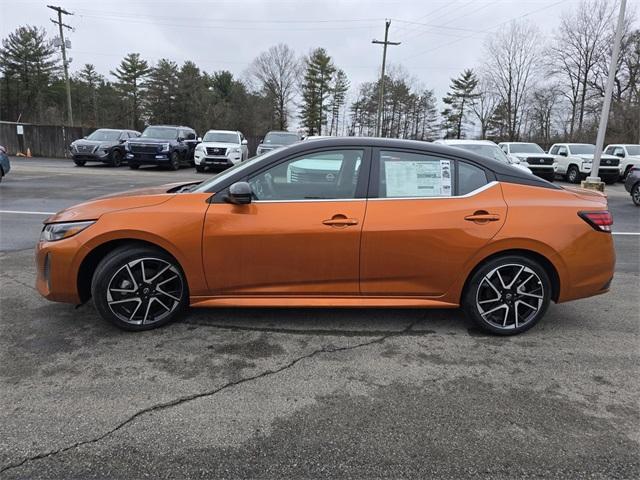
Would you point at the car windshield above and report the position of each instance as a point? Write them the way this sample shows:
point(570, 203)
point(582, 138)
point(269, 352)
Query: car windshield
point(222, 137)
point(525, 148)
point(582, 149)
point(104, 135)
point(491, 151)
point(160, 132)
point(281, 138)
point(633, 150)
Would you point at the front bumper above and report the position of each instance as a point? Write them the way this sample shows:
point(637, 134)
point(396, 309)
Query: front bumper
point(99, 156)
point(217, 161)
point(150, 158)
point(56, 265)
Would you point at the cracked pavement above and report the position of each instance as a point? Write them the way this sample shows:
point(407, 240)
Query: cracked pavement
point(311, 393)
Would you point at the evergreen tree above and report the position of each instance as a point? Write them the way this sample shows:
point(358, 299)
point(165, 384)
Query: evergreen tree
point(318, 76)
point(161, 93)
point(131, 76)
point(89, 80)
point(339, 91)
point(459, 101)
point(190, 97)
point(28, 65)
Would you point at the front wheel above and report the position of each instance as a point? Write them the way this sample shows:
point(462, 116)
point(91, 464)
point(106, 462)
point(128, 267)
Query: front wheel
point(573, 174)
point(139, 288)
point(80, 163)
point(635, 194)
point(116, 158)
point(174, 161)
point(507, 295)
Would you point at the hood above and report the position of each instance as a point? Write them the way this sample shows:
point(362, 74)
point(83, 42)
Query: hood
point(525, 156)
point(95, 208)
point(220, 144)
point(150, 140)
point(93, 143)
point(589, 156)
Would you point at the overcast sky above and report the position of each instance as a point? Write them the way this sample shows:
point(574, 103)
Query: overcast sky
point(439, 37)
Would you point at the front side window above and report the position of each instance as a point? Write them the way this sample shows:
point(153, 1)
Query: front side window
point(562, 151)
point(414, 175)
point(619, 152)
point(325, 175)
point(554, 150)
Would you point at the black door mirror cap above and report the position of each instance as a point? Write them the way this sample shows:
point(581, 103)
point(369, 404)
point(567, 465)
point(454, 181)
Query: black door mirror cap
point(239, 194)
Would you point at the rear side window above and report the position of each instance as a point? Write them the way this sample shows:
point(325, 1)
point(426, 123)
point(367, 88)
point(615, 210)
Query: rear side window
point(414, 175)
point(470, 178)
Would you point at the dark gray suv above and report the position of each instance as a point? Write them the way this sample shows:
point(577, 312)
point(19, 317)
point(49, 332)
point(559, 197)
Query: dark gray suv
point(105, 145)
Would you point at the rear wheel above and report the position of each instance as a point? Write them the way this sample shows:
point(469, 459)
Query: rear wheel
point(635, 194)
point(507, 295)
point(80, 163)
point(139, 288)
point(573, 174)
point(116, 158)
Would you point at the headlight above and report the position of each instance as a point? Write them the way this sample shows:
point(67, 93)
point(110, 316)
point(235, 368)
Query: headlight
point(234, 150)
point(200, 148)
point(57, 231)
point(73, 147)
point(165, 147)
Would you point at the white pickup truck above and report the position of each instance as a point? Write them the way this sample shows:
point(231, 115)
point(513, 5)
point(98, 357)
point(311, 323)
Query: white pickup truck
point(575, 161)
point(533, 156)
point(628, 154)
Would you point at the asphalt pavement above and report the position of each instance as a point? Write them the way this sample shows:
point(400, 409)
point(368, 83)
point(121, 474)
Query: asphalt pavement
point(304, 393)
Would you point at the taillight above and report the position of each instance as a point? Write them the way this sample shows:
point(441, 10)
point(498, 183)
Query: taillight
point(600, 220)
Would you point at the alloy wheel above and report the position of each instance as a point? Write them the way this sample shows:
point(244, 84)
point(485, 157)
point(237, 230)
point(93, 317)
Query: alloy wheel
point(510, 296)
point(144, 291)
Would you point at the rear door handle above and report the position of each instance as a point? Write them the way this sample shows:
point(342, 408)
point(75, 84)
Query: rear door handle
point(340, 221)
point(482, 216)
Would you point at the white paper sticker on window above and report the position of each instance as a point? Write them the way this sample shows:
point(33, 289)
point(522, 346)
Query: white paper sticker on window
point(430, 178)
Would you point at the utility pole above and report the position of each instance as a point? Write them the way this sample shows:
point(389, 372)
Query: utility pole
point(386, 42)
point(61, 25)
point(593, 181)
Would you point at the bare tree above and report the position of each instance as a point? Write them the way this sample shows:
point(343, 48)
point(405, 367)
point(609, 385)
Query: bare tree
point(512, 58)
point(581, 44)
point(485, 103)
point(542, 108)
point(276, 73)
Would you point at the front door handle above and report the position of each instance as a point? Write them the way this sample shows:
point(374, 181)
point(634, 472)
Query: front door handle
point(482, 216)
point(340, 221)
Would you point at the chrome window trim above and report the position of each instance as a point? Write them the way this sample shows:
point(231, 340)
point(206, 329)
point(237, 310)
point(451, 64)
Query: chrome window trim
point(313, 200)
point(466, 195)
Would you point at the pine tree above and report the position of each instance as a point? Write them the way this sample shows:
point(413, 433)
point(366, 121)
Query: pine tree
point(319, 71)
point(131, 76)
point(459, 100)
point(339, 91)
point(28, 64)
point(161, 93)
point(90, 80)
point(192, 91)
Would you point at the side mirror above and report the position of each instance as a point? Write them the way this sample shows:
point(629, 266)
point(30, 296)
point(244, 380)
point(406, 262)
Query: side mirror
point(180, 139)
point(620, 154)
point(199, 139)
point(261, 141)
point(564, 154)
point(239, 194)
point(122, 140)
point(191, 136)
point(244, 142)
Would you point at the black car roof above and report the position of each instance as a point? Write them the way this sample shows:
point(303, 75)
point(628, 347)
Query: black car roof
point(171, 126)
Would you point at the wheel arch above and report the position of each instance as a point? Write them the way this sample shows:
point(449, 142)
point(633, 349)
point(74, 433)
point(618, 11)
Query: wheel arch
point(544, 262)
point(99, 252)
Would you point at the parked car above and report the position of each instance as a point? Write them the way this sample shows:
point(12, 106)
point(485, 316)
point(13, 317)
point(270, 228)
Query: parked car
point(105, 145)
point(5, 164)
point(220, 149)
point(629, 156)
point(436, 235)
point(486, 148)
point(632, 185)
point(274, 140)
point(164, 145)
point(533, 156)
point(575, 161)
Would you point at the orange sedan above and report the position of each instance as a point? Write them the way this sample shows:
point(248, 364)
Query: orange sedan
point(349, 222)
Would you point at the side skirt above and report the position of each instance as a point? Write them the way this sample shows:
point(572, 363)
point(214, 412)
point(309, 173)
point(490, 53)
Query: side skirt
point(320, 302)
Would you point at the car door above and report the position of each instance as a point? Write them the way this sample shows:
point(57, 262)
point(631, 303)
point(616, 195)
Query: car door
point(562, 157)
point(426, 216)
point(300, 235)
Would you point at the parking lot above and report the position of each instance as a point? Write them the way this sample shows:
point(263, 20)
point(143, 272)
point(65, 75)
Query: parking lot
point(273, 393)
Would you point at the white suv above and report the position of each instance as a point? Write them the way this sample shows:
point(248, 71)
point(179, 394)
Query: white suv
point(575, 161)
point(486, 148)
point(629, 156)
point(220, 149)
point(533, 156)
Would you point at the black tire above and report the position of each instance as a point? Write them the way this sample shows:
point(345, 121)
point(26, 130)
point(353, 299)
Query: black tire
point(134, 165)
point(120, 289)
point(573, 174)
point(635, 194)
point(1, 174)
point(116, 158)
point(80, 163)
point(487, 312)
point(626, 173)
point(174, 161)
point(199, 168)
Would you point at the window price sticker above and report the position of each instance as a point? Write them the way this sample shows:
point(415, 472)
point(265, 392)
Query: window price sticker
point(430, 178)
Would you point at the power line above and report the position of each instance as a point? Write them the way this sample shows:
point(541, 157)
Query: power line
point(62, 26)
